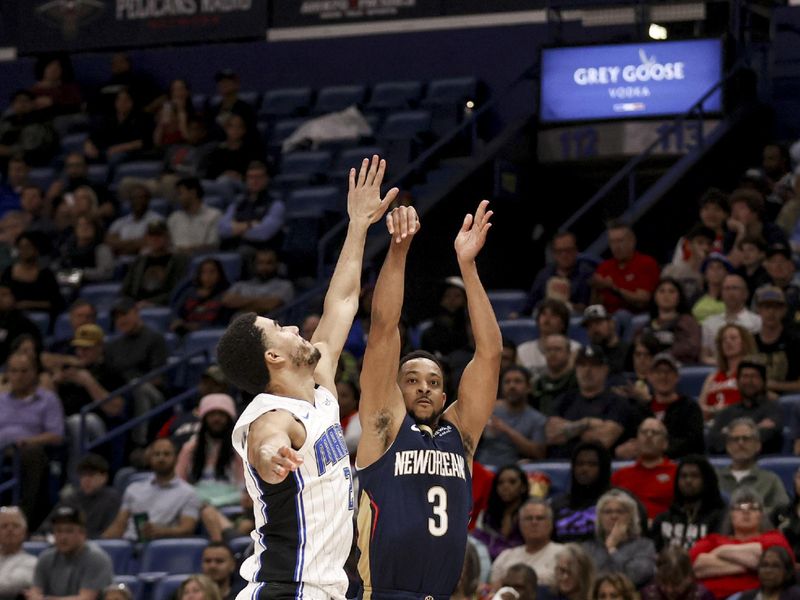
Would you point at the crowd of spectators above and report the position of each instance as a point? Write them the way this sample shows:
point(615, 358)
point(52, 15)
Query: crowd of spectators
point(597, 383)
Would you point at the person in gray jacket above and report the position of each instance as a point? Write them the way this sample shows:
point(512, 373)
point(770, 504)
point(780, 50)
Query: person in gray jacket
point(618, 546)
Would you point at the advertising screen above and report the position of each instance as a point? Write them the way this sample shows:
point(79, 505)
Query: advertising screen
point(626, 81)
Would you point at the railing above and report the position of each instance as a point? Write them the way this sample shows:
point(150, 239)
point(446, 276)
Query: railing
point(13, 484)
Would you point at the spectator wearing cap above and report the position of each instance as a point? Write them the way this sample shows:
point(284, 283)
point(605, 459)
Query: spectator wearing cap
point(515, 431)
point(747, 208)
point(16, 565)
point(680, 415)
point(13, 322)
point(32, 420)
point(72, 567)
point(81, 312)
point(671, 323)
point(651, 479)
point(754, 404)
point(194, 227)
point(627, 279)
point(161, 507)
point(448, 329)
point(135, 352)
point(126, 235)
point(602, 331)
point(559, 375)
point(81, 380)
point(228, 86)
point(34, 287)
point(590, 414)
point(686, 266)
point(734, 296)
point(94, 496)
point(208, 456)
point(754, 251)
point(714, 270)
point(743, 445)
point(778, 346)
point(782, 273)
point(256, 219)
point(567, 264)
point(156, 271)
point(552, 318)
point(721, 388)
point(265, 292)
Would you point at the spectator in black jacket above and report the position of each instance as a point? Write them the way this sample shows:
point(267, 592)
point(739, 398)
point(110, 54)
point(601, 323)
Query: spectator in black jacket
point(13, 323)
point(697, 508)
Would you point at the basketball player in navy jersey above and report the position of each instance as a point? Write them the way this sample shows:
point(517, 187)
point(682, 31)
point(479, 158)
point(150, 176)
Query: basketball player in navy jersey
point(297, 468)
point(414, 458)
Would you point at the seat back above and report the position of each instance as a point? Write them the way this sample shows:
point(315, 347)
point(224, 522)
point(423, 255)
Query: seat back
point(519, 330)
point(120, 552)
point(178, 555)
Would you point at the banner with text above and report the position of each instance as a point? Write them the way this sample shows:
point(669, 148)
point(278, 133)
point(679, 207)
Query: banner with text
point(628, 80)
point(64, 25)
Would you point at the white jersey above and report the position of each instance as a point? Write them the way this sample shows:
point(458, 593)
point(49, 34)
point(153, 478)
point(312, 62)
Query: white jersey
point(303, 525)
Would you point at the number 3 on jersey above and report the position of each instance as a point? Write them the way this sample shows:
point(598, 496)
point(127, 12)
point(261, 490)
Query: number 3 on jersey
point(349, 476)
point(437, 525)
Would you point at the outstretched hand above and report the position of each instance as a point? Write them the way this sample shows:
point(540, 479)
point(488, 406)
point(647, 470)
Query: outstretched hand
point(402, 223)
point(364, 191)
point(472, 236)
point(284, 462)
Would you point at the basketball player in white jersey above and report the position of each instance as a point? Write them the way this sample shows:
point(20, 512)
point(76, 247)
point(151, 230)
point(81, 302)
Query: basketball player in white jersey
point(297, 469)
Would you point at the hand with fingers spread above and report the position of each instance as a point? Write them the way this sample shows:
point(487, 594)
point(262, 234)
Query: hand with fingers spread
point(364, 201)
point(472, 236)
point(403, 224)
point(282, 462)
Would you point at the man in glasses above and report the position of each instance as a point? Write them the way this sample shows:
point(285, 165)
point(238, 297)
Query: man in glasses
point(743, 445)
point(726, 564)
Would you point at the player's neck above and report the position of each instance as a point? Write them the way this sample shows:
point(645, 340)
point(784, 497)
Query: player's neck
point(301, 388)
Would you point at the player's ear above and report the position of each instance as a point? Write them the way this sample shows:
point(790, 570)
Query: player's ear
point(273, 357)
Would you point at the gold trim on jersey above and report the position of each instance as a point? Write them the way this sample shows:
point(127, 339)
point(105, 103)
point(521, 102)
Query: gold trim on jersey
point(364, 523)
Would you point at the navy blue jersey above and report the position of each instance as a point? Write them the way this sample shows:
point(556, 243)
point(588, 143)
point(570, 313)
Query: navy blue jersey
point(414, 506)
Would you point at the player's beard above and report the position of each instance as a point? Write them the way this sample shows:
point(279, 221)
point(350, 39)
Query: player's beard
point(306, 356)
point(430, 421)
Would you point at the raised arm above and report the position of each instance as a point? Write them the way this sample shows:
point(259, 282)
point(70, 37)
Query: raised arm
point(381, 408)
point(477, 390)
point(364, 207)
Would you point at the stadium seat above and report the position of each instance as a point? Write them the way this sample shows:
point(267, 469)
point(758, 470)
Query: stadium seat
point(132, 583)
point(240, 544)
point(558, 472)
point(101, 295)
point(394, 95)
point(576, 331)
point(784, 467)
point(338, 97)
point(204, 339)
point(178, 555)
point(42, 177)
point(285, 102)
point(691, 379)
point(302, 231)
point(40, 319)
point(405, 125)
point(283, 129)
point(73, 142)
point(325, 198)
point(157, 318)
point(162, 206)
point(789, 402)
point(352, 157)
point(98, 173)
point(166, 588)
point(231, 263)
point(74, 123)
point(505, 302)
point(308, 163)
point(216, 188)
point(452, 91)
point(120, 552)
point(35, 547)
point(141, 169)
point(519, 330)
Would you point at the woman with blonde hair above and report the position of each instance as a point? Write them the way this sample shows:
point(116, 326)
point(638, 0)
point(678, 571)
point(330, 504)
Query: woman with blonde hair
point(614, 586)
point(618, 546)
point(198, 587)
point(720, 389)
point(574, 573)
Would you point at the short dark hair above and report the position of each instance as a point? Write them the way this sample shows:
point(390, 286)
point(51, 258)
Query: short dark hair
point(192, 184)
point(240, 353)
point(700, 230)
point(415, 354)
point(556, 307)
point(752, 198)
point(715, 196)
point(259, 165)
point(517, 369)
point(221, 545)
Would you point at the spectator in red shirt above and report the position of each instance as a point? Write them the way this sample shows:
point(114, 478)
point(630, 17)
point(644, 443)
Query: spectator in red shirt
point(628, 278)
point(652, 478)
point(727, 564)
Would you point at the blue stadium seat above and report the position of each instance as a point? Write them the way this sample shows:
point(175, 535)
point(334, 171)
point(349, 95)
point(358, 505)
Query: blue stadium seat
point(214, 201)
point(452, 91)
point(505, 302)
point(166, 588)
point(216, 188)
point(784, 467)
point(405, 125)
point(132, 583)
point(42, 177)
point(283, 129)
point(62, 330)
point(120, 552)
point(285, 102)
point(394, 95)
point(157, 318)
point(142, 169)
point(251, 97)
point(557, 471)
point(324, 198)
point(519, 330)
point(98, 173)
point(338, 97)
point(789, 402)
point(41, 319)
point(178, 555)
point(231, 263)
point(240, 544)
point(305, 162)
point(162, 206)
point(204, 339)
point(352, 157)
point(75, 123)
point(692, 378)
point(35, 547)
point(101, 295)
point(576, 331)
point(73, 142)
